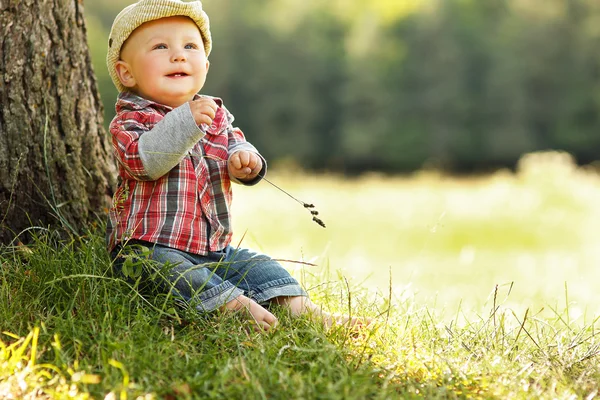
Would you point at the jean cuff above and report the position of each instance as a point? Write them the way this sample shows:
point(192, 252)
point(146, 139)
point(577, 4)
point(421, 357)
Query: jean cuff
point(215, 297)
point(286, 287)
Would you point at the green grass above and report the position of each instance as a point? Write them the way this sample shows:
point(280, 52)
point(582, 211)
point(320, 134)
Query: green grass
point(446, 241)
point(474, 304)
point(90, 327)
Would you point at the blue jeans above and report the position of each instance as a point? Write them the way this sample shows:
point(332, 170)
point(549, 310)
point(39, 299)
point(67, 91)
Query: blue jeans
point(208, 282)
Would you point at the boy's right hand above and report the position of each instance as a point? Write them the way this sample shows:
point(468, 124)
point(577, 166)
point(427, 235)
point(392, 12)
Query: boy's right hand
point(263, 318)
point(204, 110)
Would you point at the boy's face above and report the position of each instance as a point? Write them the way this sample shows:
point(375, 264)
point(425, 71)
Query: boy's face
point(164, 61)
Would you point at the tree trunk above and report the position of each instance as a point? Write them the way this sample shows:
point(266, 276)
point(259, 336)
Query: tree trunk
point(56, 167)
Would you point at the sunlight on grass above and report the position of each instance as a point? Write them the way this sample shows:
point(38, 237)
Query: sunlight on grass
point(22, 377)
point(447, 241)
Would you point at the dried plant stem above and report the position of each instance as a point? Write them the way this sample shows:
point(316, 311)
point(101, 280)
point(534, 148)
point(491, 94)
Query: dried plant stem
point(308, 206)
point(274, 185)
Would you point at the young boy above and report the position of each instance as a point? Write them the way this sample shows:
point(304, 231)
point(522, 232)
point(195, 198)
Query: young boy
point(177, 153)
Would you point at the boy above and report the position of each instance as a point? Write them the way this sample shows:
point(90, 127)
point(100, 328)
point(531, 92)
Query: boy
point(177, 153)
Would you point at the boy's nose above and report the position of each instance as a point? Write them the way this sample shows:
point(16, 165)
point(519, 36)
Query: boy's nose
point(178, 56)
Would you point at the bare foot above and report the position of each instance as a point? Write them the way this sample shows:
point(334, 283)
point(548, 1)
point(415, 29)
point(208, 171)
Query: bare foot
point(263, 319)
point(300, 305)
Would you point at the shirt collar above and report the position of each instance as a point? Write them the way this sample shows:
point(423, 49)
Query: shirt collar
point(132, 102)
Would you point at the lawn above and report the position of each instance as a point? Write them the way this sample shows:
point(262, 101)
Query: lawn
point(483, 287)
point(446, 241)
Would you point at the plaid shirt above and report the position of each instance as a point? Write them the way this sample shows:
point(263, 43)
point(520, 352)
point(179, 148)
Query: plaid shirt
point(188, 208)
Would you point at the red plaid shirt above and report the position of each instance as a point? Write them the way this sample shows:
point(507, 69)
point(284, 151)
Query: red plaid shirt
point(188, 208)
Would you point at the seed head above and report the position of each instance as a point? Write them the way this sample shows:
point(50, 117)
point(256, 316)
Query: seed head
point(318, 221)
point(308, 206)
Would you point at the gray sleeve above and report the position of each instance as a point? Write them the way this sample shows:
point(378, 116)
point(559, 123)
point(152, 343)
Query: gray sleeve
point(165, 145)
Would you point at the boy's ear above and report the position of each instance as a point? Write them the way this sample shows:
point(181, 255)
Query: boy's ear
point(124, 74)
point(207, 65)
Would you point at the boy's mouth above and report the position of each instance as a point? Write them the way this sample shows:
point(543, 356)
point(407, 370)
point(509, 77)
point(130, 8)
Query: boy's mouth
point(177, 75)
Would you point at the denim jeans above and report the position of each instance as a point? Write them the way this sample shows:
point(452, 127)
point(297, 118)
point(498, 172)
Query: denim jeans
point(208, 282)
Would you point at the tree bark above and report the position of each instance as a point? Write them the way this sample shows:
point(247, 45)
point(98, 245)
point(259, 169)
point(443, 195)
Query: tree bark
point(56, 166)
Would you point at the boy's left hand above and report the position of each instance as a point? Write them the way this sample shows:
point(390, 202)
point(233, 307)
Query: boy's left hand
point(244, 165)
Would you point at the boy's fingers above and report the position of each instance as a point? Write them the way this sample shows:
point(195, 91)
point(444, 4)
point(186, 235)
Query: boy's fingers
point(265, 325)
point(244, 158)
point(207, 102)
point(204, 119)
point(235, 161)
point(212, 104)
point(262, 327)
point(252, 160)
point(256, 166)
point(259, 163)
point(256, 170)
point(204, 111)
point(211, 113)
point(271, 320)
point(205, 106)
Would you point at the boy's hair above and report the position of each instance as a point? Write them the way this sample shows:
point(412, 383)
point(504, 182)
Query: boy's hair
point(143, 11)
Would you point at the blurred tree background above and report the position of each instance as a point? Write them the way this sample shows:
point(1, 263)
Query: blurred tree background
point(397, 85)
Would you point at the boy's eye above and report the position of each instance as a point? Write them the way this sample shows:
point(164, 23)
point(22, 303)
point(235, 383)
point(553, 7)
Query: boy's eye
point(159, 46)
point(191, 46)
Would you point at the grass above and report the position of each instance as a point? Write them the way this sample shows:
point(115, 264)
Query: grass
point(447, 241)
point(483, 288)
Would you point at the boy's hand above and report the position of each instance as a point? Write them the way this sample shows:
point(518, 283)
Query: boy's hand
point(264, 319)
point(244, 165)
point(204, 110)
